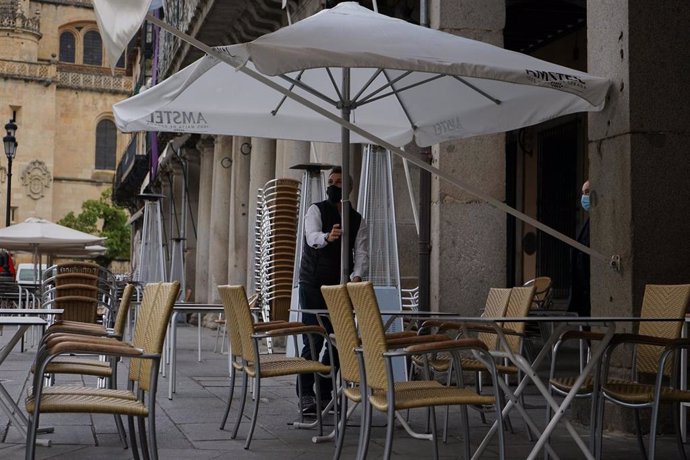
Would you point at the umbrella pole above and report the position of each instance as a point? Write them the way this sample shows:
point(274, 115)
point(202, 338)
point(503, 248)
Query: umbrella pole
point(345, 144)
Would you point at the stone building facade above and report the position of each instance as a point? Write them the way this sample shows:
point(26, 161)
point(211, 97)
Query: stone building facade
point(55, 80)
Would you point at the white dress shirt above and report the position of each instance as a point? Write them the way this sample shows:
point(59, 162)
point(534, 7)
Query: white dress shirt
point(317, 239)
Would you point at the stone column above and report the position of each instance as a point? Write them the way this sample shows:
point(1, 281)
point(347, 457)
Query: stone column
point(261, 169)
point(239, 211)
point(638, 150)
point(468, 236)
point(193, 164)
point(639, 166)
point(290, 153)
point(205, 148)
point(220, 216)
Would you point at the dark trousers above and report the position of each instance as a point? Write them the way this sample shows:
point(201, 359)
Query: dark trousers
point(310, 298)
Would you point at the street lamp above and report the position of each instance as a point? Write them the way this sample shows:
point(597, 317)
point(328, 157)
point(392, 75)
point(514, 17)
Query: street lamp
point(11, 144)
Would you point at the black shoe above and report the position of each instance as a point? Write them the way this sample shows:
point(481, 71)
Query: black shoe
point(307, 404)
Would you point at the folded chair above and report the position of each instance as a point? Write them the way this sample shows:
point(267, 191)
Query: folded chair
point(342, 317)
point(139, 398)
point(388, 396)
point(253, 363)
point(656, 355)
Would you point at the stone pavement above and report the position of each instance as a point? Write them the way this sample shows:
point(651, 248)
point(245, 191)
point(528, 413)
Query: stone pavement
point(188, 425)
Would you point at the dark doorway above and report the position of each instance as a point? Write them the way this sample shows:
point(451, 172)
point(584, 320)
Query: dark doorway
point(557, 194)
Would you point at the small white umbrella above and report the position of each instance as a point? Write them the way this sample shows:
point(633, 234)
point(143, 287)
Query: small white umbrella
point(40, 236)
point(46, 235)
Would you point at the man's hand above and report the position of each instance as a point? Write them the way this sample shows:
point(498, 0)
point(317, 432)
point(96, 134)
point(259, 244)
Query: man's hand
point(356, 279)
point(335, 233)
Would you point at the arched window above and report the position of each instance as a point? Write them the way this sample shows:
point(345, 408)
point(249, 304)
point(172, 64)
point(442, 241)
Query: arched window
point(93, 48)
point(106, 143)
point(67, 49)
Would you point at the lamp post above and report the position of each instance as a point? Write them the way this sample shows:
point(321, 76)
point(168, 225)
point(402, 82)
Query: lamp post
point(11, 144)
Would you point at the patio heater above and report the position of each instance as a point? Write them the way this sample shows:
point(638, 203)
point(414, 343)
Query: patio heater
point(151, 266)
point(376, 204)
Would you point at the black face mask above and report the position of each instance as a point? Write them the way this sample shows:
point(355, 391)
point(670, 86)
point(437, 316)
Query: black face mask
point(334, 193)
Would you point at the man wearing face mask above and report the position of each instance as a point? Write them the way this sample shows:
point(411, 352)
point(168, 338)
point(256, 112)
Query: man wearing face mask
point(320, 265)
point(579, 293)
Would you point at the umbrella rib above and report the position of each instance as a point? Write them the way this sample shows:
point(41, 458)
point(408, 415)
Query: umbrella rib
point(473, 87)
point(309, 90)
point(390, 83)
point(335, 85)
point(368, 83)
point(369, 99)
point(282, 100)
point(400, 101)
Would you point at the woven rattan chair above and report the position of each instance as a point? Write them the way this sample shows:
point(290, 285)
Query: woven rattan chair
point(388, 396)
point(235, 344)
point(542, 292)
point(138, 400)
point(495, 306)
point(342, 317)
point(254, 365)
point(90, 366)
point(656, 354)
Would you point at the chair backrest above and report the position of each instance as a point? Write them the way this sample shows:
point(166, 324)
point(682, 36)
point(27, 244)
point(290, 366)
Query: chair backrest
point(77, 308)
point(670, 301)
point(123, 310)
point(518, 306)
point(156, 328)
point(542, 291)
point(495, 307)
point(237, 298)
point(144, 313)
point(342, 316)
point(226, 296)
point(372, 333)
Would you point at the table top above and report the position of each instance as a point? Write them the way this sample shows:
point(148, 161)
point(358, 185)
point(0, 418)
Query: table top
point(31, 311)
point(198, 307)
point(22, 321)
point(517, 319)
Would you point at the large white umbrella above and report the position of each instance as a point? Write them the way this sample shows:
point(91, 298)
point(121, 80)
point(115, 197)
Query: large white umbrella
point(350, 74)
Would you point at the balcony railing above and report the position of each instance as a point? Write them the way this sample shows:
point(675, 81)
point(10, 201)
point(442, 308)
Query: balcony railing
point(16, 20)
point(27, 70)
point(130, 172)
point(95, 82)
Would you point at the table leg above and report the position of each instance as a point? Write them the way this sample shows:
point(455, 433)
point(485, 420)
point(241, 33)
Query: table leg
point(559, 411)
point(684, 384)
point(7, 403)
point(198, 336)
point(173, 355)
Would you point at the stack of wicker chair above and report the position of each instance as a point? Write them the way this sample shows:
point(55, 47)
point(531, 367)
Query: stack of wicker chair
point(276, 243)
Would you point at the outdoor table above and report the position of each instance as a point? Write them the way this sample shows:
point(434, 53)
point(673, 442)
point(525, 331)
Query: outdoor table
point(185, 307)
point(530, 374)
point(30, 317)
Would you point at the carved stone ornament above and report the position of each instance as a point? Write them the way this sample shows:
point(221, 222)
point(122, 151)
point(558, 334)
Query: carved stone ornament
point(36, 179)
